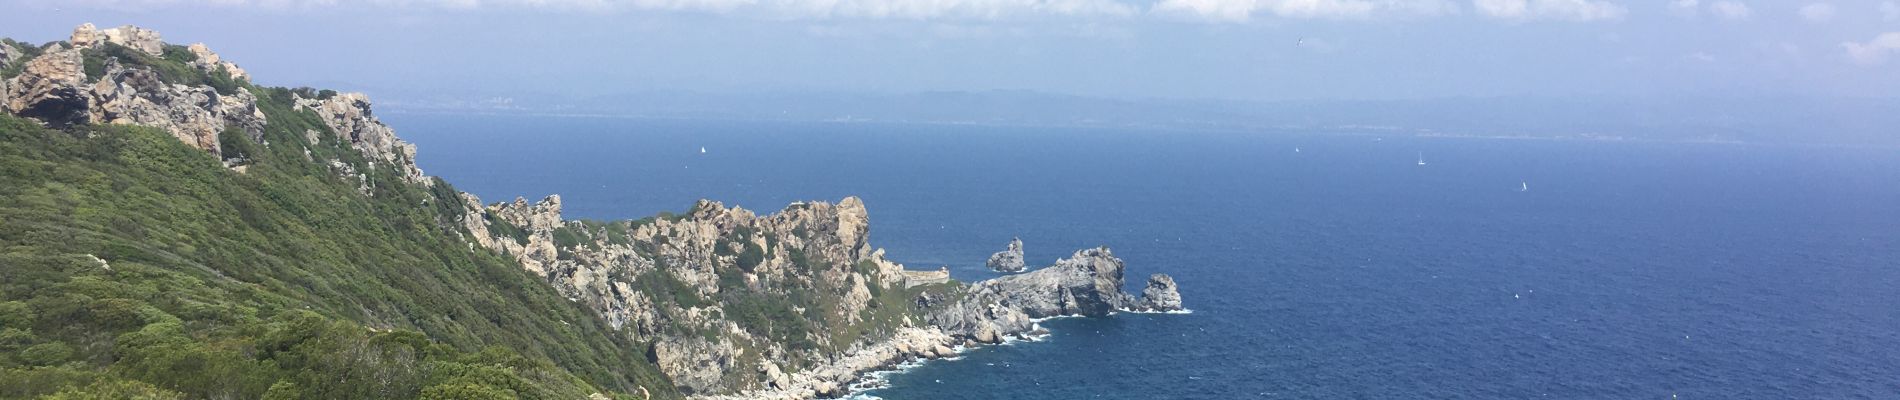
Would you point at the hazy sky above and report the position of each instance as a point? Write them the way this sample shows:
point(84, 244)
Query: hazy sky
point(1230, 49)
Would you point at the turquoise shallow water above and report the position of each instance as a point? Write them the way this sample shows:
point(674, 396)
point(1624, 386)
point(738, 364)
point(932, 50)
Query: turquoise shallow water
point(1345, 270)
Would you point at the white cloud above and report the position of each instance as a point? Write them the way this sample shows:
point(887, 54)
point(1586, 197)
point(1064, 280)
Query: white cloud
point(952, 10)
point(1874, 52)
point(1732, 11)
point(885, 9)
point(815, 9)
point(1685, 8)
point(1243, 10)
point(1817, 12)
point(1890, 11)
point(1574, 10)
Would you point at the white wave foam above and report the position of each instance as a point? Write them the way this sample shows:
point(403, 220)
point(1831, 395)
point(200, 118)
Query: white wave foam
point(1034, 320)
point(1180, 311)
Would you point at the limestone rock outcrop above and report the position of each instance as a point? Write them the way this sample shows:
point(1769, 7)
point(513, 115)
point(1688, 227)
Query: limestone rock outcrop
point(141, 39)
point(9, 53)
point(1087, 283)
point(688, 282)
point(349, 116)
point(193, 114)
point(1008, 260)
point(665, 279)
point(695, 364)
point(54, 88)
point(209, 61)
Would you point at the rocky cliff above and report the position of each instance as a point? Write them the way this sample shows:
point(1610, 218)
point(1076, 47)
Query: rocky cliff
point(794, 304)
point(128, 75)
point(111, 77)
point(725, 302)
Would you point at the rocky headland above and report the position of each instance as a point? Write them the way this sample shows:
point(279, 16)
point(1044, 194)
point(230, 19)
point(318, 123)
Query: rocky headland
point(725, 302)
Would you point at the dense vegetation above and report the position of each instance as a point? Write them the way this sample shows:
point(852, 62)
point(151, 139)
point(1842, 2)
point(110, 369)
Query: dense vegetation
point(135, 266)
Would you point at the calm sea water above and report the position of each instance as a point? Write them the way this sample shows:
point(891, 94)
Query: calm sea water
point(1344, 270)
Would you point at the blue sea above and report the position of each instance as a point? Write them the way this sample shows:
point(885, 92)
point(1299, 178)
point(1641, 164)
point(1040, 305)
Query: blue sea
point(1342, 270)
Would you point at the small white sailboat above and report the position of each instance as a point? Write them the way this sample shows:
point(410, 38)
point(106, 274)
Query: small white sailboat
point(1421, 158)
point(1524, 186)
point(702, 150)
point(1296, 149)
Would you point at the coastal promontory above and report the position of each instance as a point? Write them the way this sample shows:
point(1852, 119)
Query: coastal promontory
point(175, 229)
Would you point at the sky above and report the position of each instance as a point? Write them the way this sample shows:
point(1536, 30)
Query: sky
point(501, 50)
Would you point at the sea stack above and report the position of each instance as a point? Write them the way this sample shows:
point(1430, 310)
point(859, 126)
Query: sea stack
point(1009, 260)
point(1160, 295)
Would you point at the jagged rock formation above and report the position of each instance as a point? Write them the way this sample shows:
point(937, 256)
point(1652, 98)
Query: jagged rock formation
point(51, 88)
point(1087, 283)
point(208, 61)
point(8, 53)
point(1161, 295)
point(349, 116)
point(196, 115)
point(667, 278)
point(1008, 260)
point(685, 282)
point(141, 39)
point(56, 89)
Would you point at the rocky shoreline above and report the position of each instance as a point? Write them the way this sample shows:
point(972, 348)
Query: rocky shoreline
point(991, 312)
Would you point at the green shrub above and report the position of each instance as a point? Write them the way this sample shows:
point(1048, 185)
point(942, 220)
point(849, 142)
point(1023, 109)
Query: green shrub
point(115, 389)
point(46, 353)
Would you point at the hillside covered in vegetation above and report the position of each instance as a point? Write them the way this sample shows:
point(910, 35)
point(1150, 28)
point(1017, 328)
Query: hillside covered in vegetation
point(133, 261)
point(170, 230)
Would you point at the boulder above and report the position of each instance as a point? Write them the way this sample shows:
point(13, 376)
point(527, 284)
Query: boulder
point(774, 377)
